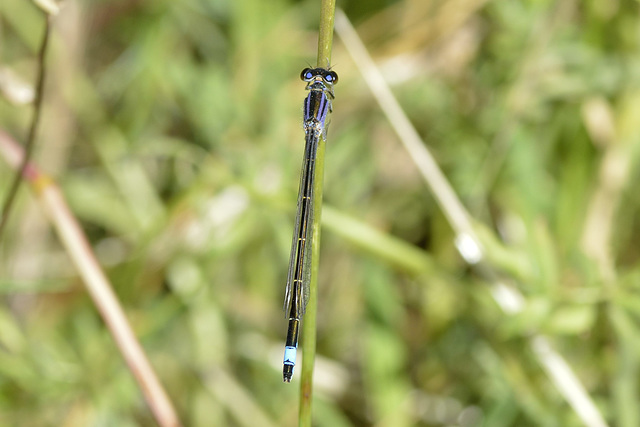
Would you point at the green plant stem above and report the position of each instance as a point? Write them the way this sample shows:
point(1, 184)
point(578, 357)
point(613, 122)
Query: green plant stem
point(325, 37)
point(309, 323)
point(30, 142)
point(325, 42)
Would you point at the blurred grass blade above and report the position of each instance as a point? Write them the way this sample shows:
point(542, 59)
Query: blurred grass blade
point(433, 176)
point(566, 382)
point(624, 381)
point(393, 250)
point(238, 400)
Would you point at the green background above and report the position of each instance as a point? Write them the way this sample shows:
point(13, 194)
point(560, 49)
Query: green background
point(174, 130)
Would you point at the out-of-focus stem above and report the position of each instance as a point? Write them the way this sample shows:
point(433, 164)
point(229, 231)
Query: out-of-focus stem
point(28, 150)
point(99, 288)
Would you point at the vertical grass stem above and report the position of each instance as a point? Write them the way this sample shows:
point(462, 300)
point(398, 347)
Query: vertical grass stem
point(325, 42)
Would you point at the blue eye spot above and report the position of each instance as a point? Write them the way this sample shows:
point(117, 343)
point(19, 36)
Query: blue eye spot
point(306, 74)
point(329, 78)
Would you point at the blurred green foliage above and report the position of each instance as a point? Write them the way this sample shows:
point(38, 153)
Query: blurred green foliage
point(173, 128)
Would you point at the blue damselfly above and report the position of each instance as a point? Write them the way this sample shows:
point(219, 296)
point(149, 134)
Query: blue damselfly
point(316, 107)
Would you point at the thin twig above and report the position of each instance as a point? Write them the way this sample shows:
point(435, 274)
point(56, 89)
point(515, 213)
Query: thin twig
point(97, 284)
point(30, 142)
point(507, 297)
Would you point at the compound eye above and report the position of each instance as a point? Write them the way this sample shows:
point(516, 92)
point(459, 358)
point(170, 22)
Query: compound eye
point(307, 74)
point(331, 77)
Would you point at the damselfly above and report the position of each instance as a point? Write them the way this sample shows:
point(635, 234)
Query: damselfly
point(315, 109)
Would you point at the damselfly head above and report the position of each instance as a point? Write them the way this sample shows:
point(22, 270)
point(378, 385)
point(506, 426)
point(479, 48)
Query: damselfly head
point(327, 76)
